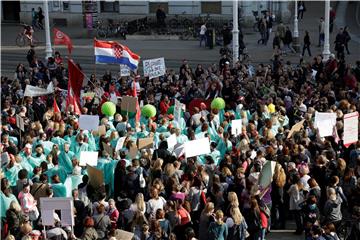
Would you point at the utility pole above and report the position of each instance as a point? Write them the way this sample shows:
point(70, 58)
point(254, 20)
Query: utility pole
point(48, 49)
point(326, 53)
point(235, 31)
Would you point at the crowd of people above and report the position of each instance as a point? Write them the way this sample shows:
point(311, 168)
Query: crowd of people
point(163, 195)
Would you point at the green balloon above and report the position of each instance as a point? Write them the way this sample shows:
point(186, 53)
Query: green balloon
point(108, 109)
point(218, 103)
point(171, 110)
point(148, 111)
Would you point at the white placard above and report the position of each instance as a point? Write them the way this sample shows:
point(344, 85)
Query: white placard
point(236, 127)
point(124, 70)
point(89, 122)
point(154, 67)
point(197, 147)
point(49, 205)
point(171, 141)
point(90, 158)
point(120, 143)
point(47, 144)
point(325, 122)
point(351, 128)
point(32, 91)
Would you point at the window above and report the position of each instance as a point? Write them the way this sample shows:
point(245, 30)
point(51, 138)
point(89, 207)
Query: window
point(211, 7)
point(109, 6)
point(153, 6)
point(66, 6)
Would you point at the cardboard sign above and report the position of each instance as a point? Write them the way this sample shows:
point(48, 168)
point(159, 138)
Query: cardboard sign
point(128, 103)
point(133, 151)
point(89, 122)
point(49, 205)
point(120, 143)
point(197, 147)
point(351, 128)
point(20, 122)
point(124, 70)
point(123, 235)
point(267, 173)
point(154, 67)
point(297, 127)
point(325, 122)
point(145, 143)
point(236, 127)
point(108, 149)
point(88, 158)
point(96, 176)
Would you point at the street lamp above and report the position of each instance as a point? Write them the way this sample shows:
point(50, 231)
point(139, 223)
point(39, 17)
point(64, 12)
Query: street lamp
point(296, 28)
point(235, 32)
point(48, 49)
point(326, 53)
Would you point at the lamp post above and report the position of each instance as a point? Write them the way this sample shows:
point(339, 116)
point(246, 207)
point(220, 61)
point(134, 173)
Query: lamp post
point(235, 33)
point(48, 49)
point(326, 53)
point(296, 28)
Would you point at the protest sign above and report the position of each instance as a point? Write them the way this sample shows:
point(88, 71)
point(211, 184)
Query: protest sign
point(89, 122)
point(96, 176)
point(325, 123)
point(20, 122)
point(133, 151)
point(128, 104)
point(351, 128)
point(49, 205)
point(266, 174)
point(154, 67)
point(295, 128)
point(123, 235)
point(47, 144)
point(120, 143)
point(171, 141)
point(145, 143)
point(236, 127)
point(32, 91)
point(197, 147)
point(89, 158)
point(124, 70)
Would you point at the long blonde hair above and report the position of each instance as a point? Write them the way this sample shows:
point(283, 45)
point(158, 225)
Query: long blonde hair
point(233, 199)
point(279, 176)
point(219, 215)
point(236, 215)
point(140, 203)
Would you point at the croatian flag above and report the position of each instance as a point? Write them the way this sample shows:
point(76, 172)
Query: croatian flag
point(116, 53)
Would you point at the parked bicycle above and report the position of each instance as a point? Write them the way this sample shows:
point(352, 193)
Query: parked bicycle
point(190, 32)
point(180, 22)
point(111, 30)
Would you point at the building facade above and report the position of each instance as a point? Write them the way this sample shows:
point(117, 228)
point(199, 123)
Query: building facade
point(76, 13)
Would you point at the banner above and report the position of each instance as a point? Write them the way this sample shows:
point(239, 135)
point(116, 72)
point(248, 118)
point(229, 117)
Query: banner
point(49, 205)
point(197, 147)
point(325, 122)
point(154, 67)
point(351, 128)
point(32, 91)
point(124, 70)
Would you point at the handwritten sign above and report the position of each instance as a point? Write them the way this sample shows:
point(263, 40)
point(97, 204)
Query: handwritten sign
point(66, 207)
point(154, 67)
point(351, 128)
point(124, 70)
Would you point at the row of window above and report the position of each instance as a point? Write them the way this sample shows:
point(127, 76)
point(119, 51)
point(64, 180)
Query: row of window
point(206, 7)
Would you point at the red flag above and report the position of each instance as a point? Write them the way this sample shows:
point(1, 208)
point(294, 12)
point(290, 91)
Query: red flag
point(56, 107)
point(76, 77)
point(61, 38)
point(138, 112)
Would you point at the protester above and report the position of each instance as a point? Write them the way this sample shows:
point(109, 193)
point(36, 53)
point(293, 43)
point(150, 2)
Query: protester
point(306, 44)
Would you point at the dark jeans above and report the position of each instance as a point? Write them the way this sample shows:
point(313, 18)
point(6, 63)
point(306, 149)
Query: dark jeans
point(298, 220)
point(203, 38)
point(347, 47)
point(321, 39)
point(308, 48)
point(300, 14)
